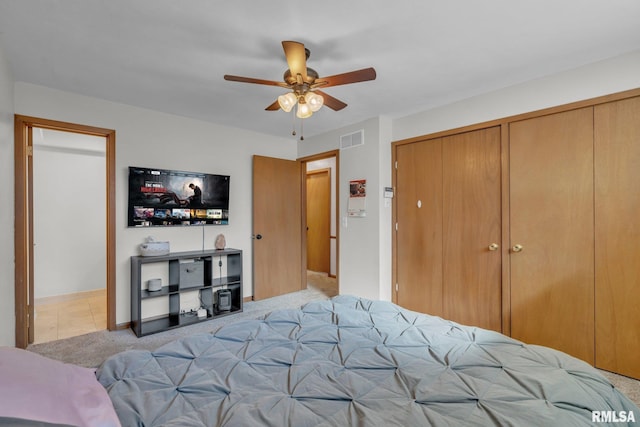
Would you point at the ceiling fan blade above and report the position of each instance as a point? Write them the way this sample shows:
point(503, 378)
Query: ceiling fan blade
point(331, 102)
point(296, 58)
point(255, 81)
point(273, 107)
point(342, 79)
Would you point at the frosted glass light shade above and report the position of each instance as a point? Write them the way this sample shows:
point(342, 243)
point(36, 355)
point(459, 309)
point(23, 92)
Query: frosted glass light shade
point(314, 101)
point(304, 111)
point(287, 101)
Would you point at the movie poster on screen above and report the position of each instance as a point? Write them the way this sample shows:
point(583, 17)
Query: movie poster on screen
point(357, 198)
point(161, 197)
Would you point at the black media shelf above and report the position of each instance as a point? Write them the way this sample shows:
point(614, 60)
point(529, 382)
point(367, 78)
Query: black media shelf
point(166, 290)
point(188, 271)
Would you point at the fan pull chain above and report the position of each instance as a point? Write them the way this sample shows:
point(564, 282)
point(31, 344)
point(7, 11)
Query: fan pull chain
point(301, 129)
point(293, 122)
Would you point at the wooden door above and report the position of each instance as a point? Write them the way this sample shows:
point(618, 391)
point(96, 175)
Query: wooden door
point(471, 223)
point(277, 224)
point(319, 220)
point(418, 203)
point(617, 257)
point(551, 217)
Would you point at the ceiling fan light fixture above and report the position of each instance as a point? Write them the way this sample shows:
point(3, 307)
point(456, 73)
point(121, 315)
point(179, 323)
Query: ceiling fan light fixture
point(287, 101)
point(304, 111)
point(314, 101)
point(302, 82)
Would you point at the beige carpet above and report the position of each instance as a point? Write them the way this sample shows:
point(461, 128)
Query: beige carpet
point(628, 386)
point(92, 349)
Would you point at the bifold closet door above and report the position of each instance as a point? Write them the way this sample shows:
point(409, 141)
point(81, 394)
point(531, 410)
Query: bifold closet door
point(617, 197)
point(552, 231)
point(472, 228)
point(448, 261)
point(419, 226)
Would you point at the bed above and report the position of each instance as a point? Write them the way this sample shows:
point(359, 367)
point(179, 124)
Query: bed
point(37, 391)
point(352, 361)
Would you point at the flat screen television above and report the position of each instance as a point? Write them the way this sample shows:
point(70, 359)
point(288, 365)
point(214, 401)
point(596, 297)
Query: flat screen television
point(160, 197)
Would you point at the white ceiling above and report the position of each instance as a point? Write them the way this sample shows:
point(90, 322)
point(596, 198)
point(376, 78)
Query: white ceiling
point(171, 55)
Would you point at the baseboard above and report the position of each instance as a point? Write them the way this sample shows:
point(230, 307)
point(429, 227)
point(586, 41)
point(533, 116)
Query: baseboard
point(122, 326)
point(247, 299)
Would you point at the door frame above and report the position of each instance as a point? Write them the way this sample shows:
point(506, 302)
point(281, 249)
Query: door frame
point(23, 218)
point(303, 176)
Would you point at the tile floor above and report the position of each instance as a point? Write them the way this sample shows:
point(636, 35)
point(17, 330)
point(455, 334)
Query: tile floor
point(322, 282)
point(70, 315)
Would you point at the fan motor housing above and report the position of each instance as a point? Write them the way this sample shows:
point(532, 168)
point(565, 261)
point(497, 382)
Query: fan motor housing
point(312, 75)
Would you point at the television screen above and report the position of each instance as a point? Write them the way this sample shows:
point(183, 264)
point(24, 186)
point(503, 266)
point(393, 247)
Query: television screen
point(159, 197)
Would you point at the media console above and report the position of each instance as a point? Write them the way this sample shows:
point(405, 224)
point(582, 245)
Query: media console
point(204, 272)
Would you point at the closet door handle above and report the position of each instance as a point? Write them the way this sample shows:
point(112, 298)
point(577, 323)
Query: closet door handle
point(493, 247)
point(517, 248)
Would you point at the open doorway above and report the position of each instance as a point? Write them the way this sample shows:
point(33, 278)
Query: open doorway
point(27, 130)
point(69, 238)
point(321, 208)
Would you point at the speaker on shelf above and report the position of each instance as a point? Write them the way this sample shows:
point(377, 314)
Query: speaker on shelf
point(206, 299)
point(223, 297)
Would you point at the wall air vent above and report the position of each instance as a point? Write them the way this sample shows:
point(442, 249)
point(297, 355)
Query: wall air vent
point(352, 139)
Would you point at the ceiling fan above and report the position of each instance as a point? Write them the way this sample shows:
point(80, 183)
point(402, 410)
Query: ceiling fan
point(305, 83)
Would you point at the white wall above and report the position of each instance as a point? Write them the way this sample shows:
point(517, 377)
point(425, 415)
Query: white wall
point(385, 169)
point(597, 79)
point(149, 138)
point(7, 267)
point(366, 242)
point(69, 207)
point(360, 271)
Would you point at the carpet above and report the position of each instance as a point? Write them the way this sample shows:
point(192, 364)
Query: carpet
point(90, 350)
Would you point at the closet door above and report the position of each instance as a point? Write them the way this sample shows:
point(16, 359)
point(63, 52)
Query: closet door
point(617, 203)
point(552, 231)
point(472, 228)
point(448, 216)
point(418, 202)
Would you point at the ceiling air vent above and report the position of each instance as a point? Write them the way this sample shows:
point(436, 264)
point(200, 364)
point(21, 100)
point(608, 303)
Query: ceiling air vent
point(352, 139)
